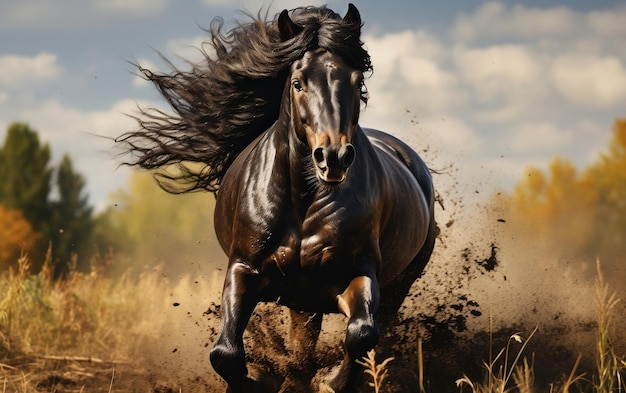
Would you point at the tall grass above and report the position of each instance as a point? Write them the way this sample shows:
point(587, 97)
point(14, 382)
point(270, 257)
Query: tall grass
point(85, 327)
point(96, 318)
point(501, 370)
point(502, 376)
point(611, 369)
point(87, 314)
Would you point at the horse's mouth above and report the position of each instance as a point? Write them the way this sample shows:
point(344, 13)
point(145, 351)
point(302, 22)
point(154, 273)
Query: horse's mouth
point(331, 177)
point(333, 180)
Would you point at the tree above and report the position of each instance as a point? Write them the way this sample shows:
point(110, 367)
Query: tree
point(147, 226)
point(25, 175)
point(608, 177)
point(72, 221)
point(16, 236)
point(557, 207)
point(25, 186)
point(581, 215)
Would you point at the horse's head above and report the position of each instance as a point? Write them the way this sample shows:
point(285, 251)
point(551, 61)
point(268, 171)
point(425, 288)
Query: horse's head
point(326, 94)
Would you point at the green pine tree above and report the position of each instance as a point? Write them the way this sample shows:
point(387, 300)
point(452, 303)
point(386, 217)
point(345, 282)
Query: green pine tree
point(72, 221)
point(25, 183)
point(25, 175)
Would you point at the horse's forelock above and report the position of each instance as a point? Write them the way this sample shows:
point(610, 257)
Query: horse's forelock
point(325, 29)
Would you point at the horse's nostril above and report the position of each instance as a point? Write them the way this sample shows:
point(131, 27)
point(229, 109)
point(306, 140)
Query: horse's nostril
point(347, 154)
point(318, 155)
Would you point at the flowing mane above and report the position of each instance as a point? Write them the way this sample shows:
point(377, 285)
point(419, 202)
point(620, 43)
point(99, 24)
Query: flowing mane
point(222, 104)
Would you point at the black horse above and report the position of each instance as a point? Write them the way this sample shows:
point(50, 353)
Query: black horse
point(313, 211)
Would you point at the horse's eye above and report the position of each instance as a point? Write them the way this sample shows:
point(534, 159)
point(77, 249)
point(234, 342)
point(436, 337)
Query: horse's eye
point(297, 85)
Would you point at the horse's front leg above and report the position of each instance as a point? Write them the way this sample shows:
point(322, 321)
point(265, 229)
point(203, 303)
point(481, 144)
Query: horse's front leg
point(359, 303)
point(239, 298)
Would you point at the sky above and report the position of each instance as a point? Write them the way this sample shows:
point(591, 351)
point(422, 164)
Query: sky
point(482, 89)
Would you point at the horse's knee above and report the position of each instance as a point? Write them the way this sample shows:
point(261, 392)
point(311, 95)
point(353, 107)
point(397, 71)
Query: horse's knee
point(228, 361)
point(362, 335)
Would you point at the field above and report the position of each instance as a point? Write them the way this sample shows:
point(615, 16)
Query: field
point(149, 332)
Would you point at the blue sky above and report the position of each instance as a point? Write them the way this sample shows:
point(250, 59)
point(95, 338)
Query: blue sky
point(487, 87)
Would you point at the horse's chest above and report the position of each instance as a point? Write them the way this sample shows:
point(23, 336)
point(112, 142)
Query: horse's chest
point(315, 269)
point(325, 250)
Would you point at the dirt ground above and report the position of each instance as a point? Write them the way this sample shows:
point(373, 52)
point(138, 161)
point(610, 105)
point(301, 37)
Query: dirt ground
point(449, 353)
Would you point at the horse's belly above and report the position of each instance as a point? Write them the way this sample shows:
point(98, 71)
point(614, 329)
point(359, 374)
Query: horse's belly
point(312, 279)
point(405, 232)
point(311, 294)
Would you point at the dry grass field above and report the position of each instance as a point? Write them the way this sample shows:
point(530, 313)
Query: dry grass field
point(151, 333)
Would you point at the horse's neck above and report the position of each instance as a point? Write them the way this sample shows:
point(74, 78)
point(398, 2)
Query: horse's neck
point(296, 161)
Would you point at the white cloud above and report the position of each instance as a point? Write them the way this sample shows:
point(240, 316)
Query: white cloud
point(494, 20)
point(455, 136)
point(409, 72)
point(70, 130)
point(591, 81)
point(188, 49)
point(86, 137)
point(16, 70)
point(408, 42)
point(498, 71)
point(424, 73)
point(546, 137)
point(523, 57)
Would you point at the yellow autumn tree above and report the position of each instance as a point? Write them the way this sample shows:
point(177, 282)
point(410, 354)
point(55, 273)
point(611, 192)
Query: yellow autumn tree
point(559, 205)
point(16, 236)
point(575, 213)
point(608, 178)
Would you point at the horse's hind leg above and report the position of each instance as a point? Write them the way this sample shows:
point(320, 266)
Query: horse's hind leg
point(239, 298)
point(303, 334)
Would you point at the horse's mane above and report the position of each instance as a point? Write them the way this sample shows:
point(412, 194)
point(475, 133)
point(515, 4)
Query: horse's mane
point(221, 105)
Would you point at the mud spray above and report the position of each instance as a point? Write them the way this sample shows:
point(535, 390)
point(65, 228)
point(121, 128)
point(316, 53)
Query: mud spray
point(482, 286)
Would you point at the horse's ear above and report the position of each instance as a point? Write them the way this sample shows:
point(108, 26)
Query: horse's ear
point(353, 16)
point(287, 28)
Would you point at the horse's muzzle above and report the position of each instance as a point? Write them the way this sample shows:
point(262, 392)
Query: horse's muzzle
point(332, 163)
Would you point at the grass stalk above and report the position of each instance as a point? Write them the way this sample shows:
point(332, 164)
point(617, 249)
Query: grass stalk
point(610, 369)
point(378, 372)
point(420, 365)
